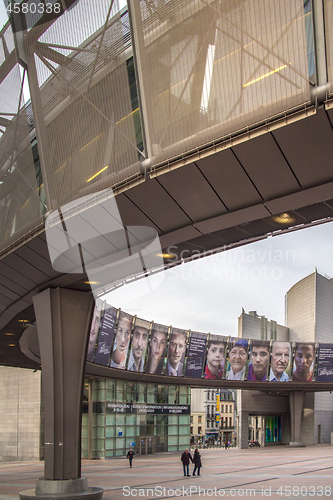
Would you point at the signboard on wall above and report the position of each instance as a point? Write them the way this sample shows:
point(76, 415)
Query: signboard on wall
point(325, 363)
point(196, 355)
point(151, 408)
point(105, 337)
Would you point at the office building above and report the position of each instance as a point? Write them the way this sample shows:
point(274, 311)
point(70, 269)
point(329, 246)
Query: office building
point(309, 318)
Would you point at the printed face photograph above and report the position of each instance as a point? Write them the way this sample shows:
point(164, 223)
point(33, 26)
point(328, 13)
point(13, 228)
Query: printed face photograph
point(215, 355)
point(304, 358)
point(215, 359)
point(122, 338)
point(259, 359)
point(280, 358)
point(139, 342)
point(94, 330)
point(157, 344)
point(237, 358)
point(177, 345)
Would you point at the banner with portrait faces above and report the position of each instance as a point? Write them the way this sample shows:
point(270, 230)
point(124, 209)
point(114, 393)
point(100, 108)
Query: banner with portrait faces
point(94, 328)
point(237, 359)
point(176, 353)
point(304, 360)
point(121, 341)
point(259, 361)
point(196, 355)
point(139, 346)
point(325, 363)
point(280, 370)
point(215, 358)
point(105, 338)
point(157, 349)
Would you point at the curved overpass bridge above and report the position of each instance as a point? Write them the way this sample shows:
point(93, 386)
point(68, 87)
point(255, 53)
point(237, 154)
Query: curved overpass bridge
point(207, 122)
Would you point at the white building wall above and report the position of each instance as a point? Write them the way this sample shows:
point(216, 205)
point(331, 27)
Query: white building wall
point(323, 401)
point(300, 310)
point(20, 401)
point(324, 310)
point(282, 333)
point(249, 326)
point(198, 400)
point(323, 404)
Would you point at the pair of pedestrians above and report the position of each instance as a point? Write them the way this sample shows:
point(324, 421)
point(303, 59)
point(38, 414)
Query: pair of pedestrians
point(196, 460)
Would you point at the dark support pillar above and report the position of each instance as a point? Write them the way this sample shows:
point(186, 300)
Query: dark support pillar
point(63, 326)
point(296, 399)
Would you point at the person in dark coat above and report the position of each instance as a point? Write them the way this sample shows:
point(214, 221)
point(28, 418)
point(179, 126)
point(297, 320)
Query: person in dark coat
point(185, 458)
point(130, 456)
point(197, 462)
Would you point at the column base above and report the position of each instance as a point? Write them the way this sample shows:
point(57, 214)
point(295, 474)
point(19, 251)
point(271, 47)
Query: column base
point(295, 444)
point(67, 489)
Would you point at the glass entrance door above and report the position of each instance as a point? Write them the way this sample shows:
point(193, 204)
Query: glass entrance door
point(150, 449)
point(146, 445)
point(143, 446)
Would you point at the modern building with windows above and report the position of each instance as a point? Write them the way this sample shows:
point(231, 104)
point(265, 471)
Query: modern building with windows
point(309, 318)
point(120, 414)
point(117, 415)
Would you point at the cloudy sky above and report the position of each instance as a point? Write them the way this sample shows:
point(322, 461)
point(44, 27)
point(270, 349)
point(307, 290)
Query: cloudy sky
point(3, 14)
point(208, 294)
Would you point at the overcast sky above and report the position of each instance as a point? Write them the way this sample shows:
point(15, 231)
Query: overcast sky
point(208, 295)
point(3, 14)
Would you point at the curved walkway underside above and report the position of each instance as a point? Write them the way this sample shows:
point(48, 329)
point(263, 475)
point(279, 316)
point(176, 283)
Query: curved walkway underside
point(279, 180)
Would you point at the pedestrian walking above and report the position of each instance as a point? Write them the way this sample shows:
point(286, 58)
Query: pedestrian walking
point(130, 456)
point(197, 462)
point(185, 458)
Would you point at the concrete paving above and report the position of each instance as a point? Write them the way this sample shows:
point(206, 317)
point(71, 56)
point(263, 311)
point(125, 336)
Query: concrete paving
point(271, 472)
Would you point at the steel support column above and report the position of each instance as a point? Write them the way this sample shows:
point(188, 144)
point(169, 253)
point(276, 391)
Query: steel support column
point(63, 325)
point(139, 56)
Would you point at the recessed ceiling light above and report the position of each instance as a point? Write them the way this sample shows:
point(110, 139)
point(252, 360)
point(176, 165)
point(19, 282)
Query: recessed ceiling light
point(284, 218)
point(9, 333)
point(167, 255)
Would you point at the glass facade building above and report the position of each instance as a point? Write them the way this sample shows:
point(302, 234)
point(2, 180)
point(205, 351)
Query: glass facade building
point(150, 418)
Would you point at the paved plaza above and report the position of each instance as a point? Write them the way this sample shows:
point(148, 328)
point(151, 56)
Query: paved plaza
point(271, 472)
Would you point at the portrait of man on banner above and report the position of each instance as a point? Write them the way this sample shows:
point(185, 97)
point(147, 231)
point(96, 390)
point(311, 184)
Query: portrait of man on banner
point(304, 358)
point(139, 346)
point(280, 362)
point(176, 353)
point(259, 361)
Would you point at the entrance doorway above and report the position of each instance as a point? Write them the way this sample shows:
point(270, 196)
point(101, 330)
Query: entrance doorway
point(146, 445)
